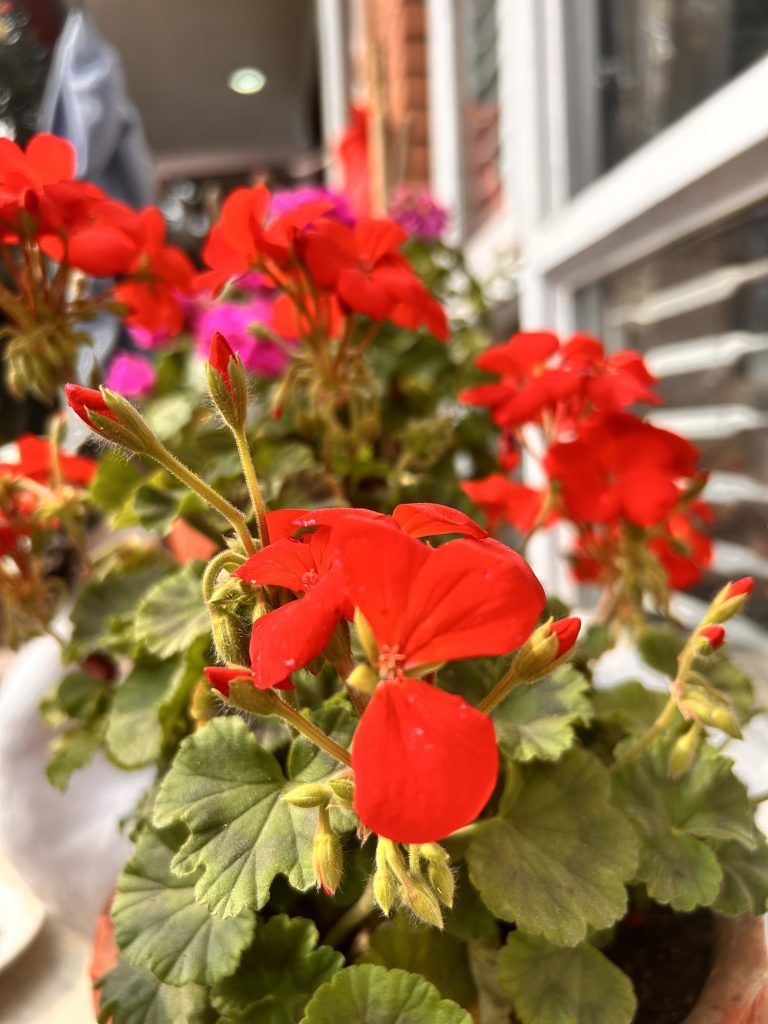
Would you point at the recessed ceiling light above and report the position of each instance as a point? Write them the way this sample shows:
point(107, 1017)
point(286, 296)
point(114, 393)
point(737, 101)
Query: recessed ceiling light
point(247, 81)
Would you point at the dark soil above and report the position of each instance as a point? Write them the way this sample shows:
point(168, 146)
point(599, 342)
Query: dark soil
point(668, 958)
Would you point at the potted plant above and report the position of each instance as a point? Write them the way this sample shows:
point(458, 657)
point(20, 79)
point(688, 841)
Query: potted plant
point(386, 786)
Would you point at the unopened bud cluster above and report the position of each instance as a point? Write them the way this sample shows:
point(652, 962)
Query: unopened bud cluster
point(422, 883)
point(327, 852)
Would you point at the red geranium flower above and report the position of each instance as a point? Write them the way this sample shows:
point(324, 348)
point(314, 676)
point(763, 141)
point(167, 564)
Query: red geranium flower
point(35, 463)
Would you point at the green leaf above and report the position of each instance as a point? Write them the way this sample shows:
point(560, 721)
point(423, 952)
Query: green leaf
point(278, 974)
point(731, 681)
point(677, 820)
point(155, 508)
point(659, 647)
point(131, 995)
point(146, 705)
point(227, 790)
point(631, 706)
point(70, 751)
point(378, 996)
point(537, 721)
point(173, 614)
point(158, 924)
point(80, 695)
point(168, 415)
point(597, 639)
point(556, 858)
point(745, 878)
point(468, 918)
point(112, 486)
point(439, 958)
point(551, 985)
point(106, 605)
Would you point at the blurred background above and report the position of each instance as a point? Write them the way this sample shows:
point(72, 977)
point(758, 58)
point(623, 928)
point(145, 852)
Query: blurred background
point(605, 163)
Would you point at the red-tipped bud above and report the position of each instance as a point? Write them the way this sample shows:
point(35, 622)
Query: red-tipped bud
point(221, 677)
point(730, 600)
point(219, 356)
point(713, 636)
point(739, 587)
point(227, 384)
point(84, 401)
point(567, 633)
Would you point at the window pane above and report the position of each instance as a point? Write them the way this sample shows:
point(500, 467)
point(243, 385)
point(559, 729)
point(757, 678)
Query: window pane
point(698, 310)
point(636, 66)
point(479, 71)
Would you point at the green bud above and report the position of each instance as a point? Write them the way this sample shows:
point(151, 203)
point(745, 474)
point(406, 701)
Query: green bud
point(310, 794)
point(130, 421)
point(384, 889)
point(229, 636)
point(723, 718)
point(245, 695)
point(442, 881)
point(424, 904)
point(683, 752)
point(343, 788)
point(537, 654)
point(327, 855)
point(366, 637)
point(363, 678)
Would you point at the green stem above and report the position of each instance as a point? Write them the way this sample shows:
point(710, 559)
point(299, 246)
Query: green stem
point(224, 560)
point(191, 480)
point(351, 920)
point(508, 681)
point(311, 732)
point(254, 489)
point(661, 723)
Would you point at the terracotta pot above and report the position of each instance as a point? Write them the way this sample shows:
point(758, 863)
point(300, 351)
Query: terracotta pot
point(736, 991)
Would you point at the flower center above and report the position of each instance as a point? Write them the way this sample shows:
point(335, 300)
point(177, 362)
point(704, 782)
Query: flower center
point(390, 661)
point(310, 578)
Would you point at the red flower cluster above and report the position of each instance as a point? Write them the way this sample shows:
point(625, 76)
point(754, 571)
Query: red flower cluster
point(425, 761)
point(74, 223)
point(608, 471)
point(325, 270)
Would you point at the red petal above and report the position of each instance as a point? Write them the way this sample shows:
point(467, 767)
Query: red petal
point(425, 762)
point(51, 158)
point(281, 564)
point(425, 519)
point(290, 637)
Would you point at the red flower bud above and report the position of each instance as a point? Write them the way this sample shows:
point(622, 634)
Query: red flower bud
point(567, 632)
point(739, 588)
point(219, 356)
point(87, 400)
point(714, 635)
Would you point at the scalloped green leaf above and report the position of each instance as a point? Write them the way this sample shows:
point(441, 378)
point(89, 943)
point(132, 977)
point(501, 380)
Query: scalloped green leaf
point(131, 995)
point(111, 488)
point(278, 975)
point(72, 750)
point(678, 821)
point(440, 958)
point(556, 858)
point(378, 996)
point(173, 615)
point(146, 705)
point(227, 790)
point(537, 721)
point(160, 926)
point(744, 889)
point(105, 608)
point(631, 706)
point(552, 985)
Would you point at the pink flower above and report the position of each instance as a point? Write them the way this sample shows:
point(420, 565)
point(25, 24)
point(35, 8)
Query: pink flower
point(285, 200)
point(418, 213)
point(260, 355)
point(132, 376)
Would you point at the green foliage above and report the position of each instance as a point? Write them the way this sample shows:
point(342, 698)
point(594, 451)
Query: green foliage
point(227, 790)
point(536, 721)
point(378, 996)
point(147, 705)
point(679, 822)
point(160, 926)
point(552, 985)
point(744, 889)
point(104, 612)
point(115, 481)
point(132, 995)
point(440, 958)
point(469, 918)
point(556, 857)
point(71, 750)
point(172, 615)
point(278, 975)
point(660, 645)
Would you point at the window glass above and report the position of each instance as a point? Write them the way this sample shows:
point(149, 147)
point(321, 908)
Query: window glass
point(636, 66)
point(479, 79)
point(698, 310)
